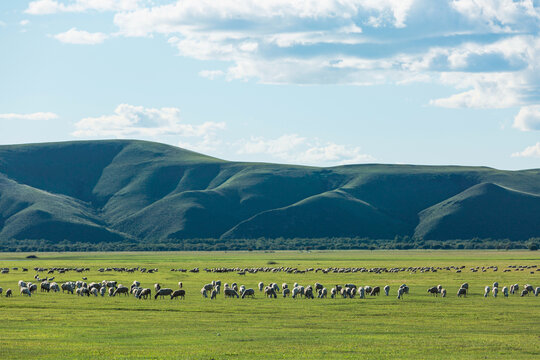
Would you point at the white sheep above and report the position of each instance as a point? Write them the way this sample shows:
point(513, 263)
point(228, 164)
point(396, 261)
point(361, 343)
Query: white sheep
point(386, 290)
point(495, 291)
point(505, 291)
point(487, 290)
point(443, 292)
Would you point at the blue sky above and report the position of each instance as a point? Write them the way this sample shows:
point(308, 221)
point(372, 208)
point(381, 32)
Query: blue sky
point(310, 82)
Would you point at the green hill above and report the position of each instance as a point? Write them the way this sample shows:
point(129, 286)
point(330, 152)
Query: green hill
point(107, 191)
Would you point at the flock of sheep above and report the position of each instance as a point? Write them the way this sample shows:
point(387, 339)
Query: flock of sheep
point(213, 289)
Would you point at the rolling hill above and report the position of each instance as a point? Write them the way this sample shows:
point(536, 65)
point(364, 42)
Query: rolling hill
point(115, 190)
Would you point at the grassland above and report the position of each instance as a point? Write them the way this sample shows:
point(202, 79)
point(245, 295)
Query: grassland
point(53, 326)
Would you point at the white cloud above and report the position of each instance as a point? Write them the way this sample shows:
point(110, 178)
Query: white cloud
point(45, 7)
point(296, 149)
point(130, 121)
point(24, 22)
point(530, 151)
point(211, 74)
point(32, 116)
point(528, 118)
point(81, 37)
point(2, 24)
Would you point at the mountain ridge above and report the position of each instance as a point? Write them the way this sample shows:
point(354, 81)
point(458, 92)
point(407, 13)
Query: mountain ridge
point(112, 190)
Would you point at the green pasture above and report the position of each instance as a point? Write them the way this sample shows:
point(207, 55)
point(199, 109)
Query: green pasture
point(55, 326)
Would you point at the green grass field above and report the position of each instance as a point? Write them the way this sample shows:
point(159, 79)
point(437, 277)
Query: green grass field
point(53, 326)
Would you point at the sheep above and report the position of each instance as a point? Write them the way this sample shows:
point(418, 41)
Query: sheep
point(203, 292)
point(400, 293)
point(94, 291)
point(217, 288)
point(69, 287)
point(54, 287)
point(361, 292)
point(367, 289)
point(295, 285)
point(121, 290)
point(462, 292)
point(536, 291)
point(344, 292)
point(308, 293)
point(495, 284)
point(228, 292)
point(22, 284)
point(8, 293)
point(322, 293)
point(25, 291)
point(275, 287)
point(495, 291)
point(333, 292)
point(45, 286)
point(180, 284)
point(433, 290)
point(405, 288)
point(284, 286)
point(242, 288)
point(207, 287)
point(375, 291)
point(111, 291)
point(213, 294)
point(387, 290)
point(180, 293)
point(524, 292)
point(102, 291)
point(234, 286)
point(295, 292)
point(529, 288)
point(318, 287)
point(157, 287)
point(145, 293)
point(443, 292)
point(270, 292)
point(248, 292)
point(286, 292)
point(505, 291)
point(136, 283)
point(261, 286)
point(32, 287)
point(439, 288)
point(487, 290)
point(163, 292)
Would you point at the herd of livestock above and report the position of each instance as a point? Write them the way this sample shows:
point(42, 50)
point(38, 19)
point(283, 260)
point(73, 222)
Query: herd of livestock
point(213, 289)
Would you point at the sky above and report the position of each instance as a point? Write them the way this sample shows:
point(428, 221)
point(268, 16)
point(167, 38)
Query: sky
point(313, 82)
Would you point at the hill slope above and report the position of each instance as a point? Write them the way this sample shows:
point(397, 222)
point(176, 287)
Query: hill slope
point(95, 191)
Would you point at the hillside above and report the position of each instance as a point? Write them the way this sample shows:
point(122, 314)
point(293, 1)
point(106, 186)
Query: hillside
point(107, 191)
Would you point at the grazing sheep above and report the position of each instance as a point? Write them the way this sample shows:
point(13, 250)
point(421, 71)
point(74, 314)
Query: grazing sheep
point(8, 293)
point(333, 292)
point(529, 288)
point(54, 287)
point(180, 284)
point(270, 292)
point(400, 293)
point(462, 292)
point(45, 286)
point(322, 293)
point(375, 291)
point(261, 286)
point(536, 291)
point(228, 292)
point(157, 287)
point(405, 288)
point(344, 292)
point(286, 292)
point(433, 290)
point(495, 291)
point(213, 294)
point(443, 292)
point(295, 292)
point(111, 291)
point(203, 292)
point(136, 283)
point(367, 289)
point(181, 293)
point(217, 288)
point(94, 291)
point(163, 292)
point(145, 293)
point(318, 287)
point(121, 290)
point(208, 287)
point(22, 284)
point(387, 290)
point(524, 292)
point(495, 284)
point(308, 293)
point(439, 288)
point(102, 291)
point(284, 286)
point(25, 291)
point(361, 292)
point(505, 291)
point(32, 287)
point(248, 292)
point(275, 287)
point(487, 290)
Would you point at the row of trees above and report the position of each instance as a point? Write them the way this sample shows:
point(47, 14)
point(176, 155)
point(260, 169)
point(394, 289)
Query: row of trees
point(335, 243)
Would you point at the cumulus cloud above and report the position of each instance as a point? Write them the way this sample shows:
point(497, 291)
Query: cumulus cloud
point(530, 151)
point(296, 149)
point(24, 22)
point(130, 121)
point(528, 118)
point(81, 37)
point(31, 116)
point(487, 50)
point(45, 7)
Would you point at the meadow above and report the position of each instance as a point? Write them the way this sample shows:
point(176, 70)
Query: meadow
point(421, 326)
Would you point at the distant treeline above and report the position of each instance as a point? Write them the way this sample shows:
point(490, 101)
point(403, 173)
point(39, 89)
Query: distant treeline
point(337, 243)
